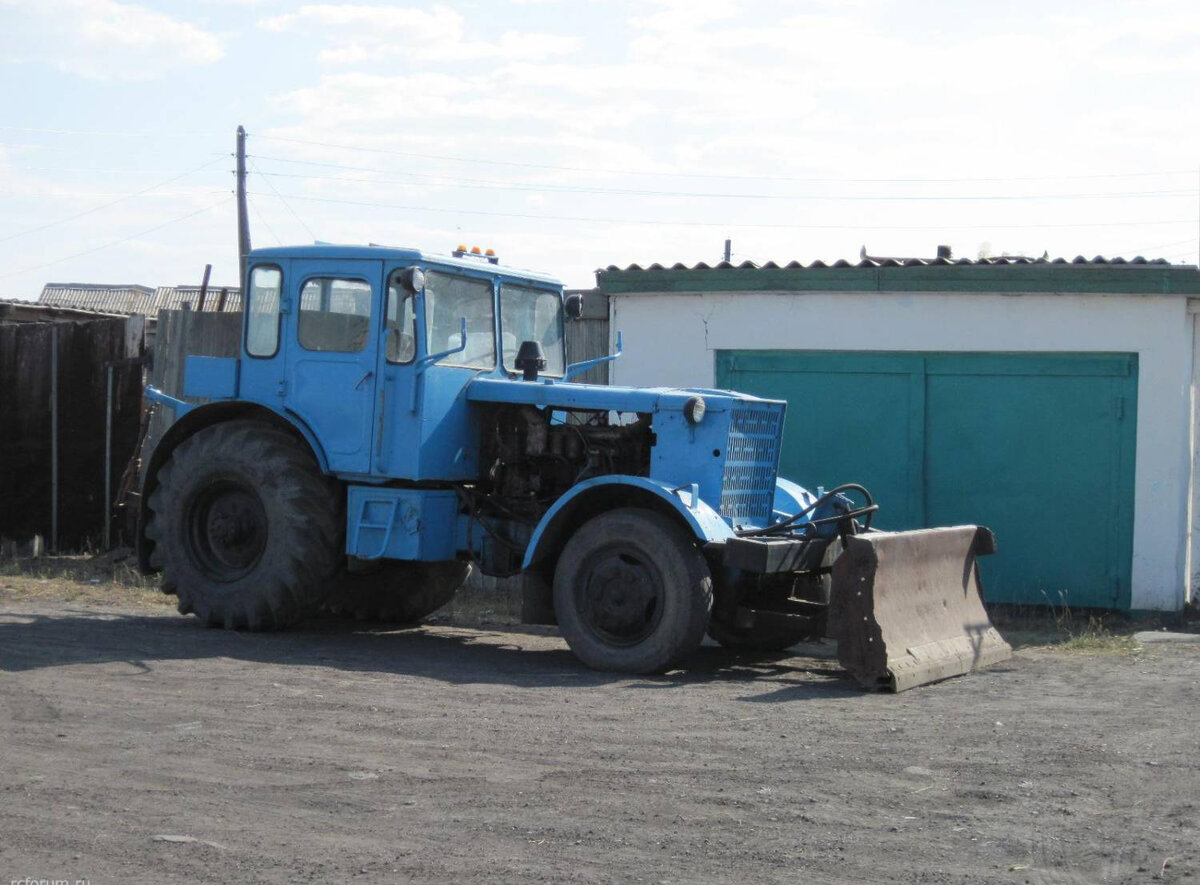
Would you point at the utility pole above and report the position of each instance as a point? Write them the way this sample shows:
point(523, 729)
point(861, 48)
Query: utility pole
point(204, 284)
point(243, 216)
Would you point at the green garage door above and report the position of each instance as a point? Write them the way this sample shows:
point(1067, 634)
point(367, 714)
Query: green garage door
point(1039, 447)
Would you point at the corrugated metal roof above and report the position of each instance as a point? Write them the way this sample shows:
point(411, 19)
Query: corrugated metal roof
point(128, 299)
point(135, 299)
point(174, 297)
point(33, 311)
point(869, 261)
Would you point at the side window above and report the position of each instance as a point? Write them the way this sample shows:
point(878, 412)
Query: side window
point(262, 311)
point(400, 324)
point(335, 315)
point(448, 300)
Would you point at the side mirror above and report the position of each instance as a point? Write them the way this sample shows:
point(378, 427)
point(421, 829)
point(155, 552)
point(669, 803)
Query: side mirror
point(573, 306)
point(412, 279)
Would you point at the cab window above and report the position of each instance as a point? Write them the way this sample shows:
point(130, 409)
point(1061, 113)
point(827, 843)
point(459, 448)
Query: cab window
point(335, 315)
point(400, 323)
point(262, 311)
point(528, 314)
point(448, 300)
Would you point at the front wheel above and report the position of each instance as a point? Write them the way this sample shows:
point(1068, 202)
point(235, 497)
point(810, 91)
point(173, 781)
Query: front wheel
point(632, 592)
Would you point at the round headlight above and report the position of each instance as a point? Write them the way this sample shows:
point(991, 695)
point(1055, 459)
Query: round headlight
point(693, 409)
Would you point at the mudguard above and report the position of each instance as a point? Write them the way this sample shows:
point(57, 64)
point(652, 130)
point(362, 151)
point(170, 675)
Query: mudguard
point(705, 523)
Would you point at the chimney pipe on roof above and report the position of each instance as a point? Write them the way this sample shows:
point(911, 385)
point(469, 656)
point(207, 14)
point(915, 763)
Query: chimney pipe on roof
point(944, 252)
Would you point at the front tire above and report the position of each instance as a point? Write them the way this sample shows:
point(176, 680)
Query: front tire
point(246, 530)
point(632, 592)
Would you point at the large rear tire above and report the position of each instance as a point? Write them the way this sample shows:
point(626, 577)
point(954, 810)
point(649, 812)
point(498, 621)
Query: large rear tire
point(632, 592)
point(397, 592)
point(245, 528)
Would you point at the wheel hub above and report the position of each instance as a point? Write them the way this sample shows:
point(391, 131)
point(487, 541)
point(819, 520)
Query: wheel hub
point(622, 597)
point(227, 530)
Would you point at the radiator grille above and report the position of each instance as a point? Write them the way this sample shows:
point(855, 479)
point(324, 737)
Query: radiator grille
point(751, 462)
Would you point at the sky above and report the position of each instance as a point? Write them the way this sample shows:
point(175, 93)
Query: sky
point(571, 135)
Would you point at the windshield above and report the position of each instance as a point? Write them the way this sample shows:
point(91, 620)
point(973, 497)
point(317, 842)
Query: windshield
point(531, 315)
point(450, 299)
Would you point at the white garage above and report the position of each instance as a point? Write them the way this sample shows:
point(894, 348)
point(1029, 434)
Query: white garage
point(1050, 400)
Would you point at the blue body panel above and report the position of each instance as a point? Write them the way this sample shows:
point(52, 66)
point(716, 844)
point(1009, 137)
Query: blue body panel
point(211, 377)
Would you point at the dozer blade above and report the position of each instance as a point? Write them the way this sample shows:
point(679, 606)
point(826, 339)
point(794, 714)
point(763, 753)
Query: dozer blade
point(906, 608)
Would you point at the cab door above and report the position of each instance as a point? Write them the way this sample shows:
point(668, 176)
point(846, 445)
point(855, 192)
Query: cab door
point(331, 356)
point(401, 345)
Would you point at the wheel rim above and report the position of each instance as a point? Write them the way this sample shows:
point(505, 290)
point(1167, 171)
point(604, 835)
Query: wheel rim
point(620, 595)
point(227, 530)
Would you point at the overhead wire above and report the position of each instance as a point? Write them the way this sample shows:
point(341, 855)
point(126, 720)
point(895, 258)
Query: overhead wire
point(257, 214)
point(108, 205)
point(661, 174)
point(493, 184)
point(282, 200)
point(722, 224)
point(118, 242)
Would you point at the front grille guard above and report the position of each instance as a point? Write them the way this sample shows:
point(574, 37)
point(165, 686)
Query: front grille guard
point(751, 463)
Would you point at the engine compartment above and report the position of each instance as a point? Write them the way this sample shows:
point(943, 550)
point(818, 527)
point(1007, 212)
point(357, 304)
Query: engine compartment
point(531, 459)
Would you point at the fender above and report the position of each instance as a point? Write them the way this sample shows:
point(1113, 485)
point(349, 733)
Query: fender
point(191, 417)
point(701, 519)
point(791, 498)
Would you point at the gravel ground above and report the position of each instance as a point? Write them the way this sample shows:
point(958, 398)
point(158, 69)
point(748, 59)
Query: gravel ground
point(137, 746)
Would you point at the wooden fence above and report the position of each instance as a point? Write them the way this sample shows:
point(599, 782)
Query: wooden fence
point(70, 413)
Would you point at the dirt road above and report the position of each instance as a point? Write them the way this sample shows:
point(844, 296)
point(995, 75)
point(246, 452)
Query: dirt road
point(137, 746)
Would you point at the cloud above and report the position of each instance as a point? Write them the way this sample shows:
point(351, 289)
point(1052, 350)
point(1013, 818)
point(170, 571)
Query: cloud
point(357, 34)
point(104, 39)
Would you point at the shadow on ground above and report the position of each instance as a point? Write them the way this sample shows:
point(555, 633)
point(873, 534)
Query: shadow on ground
point(448, 654)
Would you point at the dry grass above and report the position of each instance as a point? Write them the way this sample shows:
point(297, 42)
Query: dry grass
point(1066, 630)
point(483, 601)
point(109, 579)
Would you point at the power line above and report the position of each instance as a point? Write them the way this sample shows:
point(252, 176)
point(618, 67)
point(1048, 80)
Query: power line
point(124, 133)
point(119, 242)
point(282, 200)
point(266, 224)
point(102, 171)
point(726, 224)
point(732, 177)
point(484, 184)
point(94, 209)
point(1145, 249)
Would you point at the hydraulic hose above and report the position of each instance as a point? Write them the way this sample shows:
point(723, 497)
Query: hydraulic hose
point(780, 527)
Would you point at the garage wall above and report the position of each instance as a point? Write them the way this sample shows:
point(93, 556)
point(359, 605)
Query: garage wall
point(670, 339)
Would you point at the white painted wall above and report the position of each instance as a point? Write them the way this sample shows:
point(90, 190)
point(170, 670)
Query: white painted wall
point(670, 340)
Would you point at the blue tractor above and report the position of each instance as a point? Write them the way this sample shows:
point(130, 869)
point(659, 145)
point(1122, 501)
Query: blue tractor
point(396, 416)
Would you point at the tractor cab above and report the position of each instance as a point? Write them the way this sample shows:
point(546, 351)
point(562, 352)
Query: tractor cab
point(371, 349)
